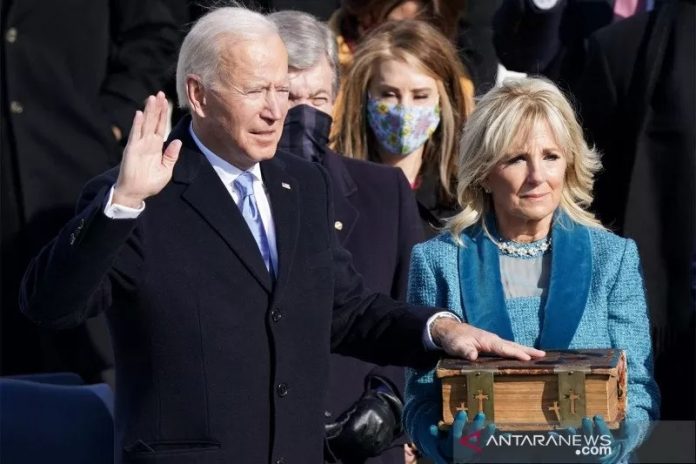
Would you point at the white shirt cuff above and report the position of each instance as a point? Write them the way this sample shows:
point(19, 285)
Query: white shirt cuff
point(544, 4)
point(427, 337)
point(119, 211)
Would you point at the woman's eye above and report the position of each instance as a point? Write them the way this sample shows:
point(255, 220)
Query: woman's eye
point(421, 97)
point(515, 159)
point(552, 156)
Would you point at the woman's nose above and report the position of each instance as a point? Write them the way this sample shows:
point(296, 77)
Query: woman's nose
point(536, 173)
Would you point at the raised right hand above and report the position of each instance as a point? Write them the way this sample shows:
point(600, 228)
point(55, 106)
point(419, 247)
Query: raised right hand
point(145, 169)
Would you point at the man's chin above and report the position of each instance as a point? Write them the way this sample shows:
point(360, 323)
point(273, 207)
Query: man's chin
point(264, 149)
point(266, 154)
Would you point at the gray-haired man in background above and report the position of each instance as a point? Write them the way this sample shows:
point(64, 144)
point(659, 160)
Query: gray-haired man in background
point(377, 221)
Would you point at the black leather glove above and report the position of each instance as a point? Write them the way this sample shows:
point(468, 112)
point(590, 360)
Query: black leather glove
point(368, 427)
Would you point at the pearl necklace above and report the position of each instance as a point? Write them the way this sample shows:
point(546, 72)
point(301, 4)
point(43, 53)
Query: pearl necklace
point(523, 250)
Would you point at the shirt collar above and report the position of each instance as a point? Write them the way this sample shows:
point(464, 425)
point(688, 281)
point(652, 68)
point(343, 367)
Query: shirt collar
point(227, 172)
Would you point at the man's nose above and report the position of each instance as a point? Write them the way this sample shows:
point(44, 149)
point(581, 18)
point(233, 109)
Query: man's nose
point(275, 103)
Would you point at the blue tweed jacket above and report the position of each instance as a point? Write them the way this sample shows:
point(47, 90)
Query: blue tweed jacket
point(595, 299)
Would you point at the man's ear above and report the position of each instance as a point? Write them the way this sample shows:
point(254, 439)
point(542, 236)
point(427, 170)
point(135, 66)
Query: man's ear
point(195, 92)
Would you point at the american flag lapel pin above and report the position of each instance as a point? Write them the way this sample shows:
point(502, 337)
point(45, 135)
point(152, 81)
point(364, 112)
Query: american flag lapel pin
point(285, 185)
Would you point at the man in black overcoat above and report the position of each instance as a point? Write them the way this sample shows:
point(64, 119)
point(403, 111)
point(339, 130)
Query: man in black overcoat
point(638, 105)
point(548, 36)
point(71, 76)
point(377, 221)
point(217, 265)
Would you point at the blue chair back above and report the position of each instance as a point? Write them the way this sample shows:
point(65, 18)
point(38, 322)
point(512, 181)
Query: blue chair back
point(48, 423)
point(56, 378)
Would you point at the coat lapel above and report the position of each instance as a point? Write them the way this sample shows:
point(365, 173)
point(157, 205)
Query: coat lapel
point(283, 194)
point(483, 301)
point(569, 284)
point(344, 188)
point(206, 194)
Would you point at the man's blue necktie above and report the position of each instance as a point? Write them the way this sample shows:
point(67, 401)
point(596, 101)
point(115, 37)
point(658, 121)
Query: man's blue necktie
point(250, 211)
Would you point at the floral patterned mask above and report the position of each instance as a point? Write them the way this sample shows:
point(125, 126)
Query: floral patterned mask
point(402, 129)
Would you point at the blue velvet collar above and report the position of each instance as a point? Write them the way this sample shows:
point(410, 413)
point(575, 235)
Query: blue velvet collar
point(483, 300)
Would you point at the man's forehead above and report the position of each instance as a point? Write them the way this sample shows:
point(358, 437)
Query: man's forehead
point(253, 58)
point(319, 76)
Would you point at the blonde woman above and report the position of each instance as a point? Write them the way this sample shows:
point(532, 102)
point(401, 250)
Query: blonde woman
point(527, 260)
point(403, 104)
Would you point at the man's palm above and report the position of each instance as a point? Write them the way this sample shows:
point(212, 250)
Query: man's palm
point(145, 169)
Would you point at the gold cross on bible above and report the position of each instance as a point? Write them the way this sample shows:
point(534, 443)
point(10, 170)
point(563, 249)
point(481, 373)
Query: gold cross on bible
point(480, 397)
point(557, 409)
point(572, 396)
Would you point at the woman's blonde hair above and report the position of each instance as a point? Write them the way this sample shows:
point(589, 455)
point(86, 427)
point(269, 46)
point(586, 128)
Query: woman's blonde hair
point(502, 115)
point(424, 47)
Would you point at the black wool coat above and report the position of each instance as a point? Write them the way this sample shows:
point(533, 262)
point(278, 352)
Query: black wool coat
point(638, 104)
point(548, 41)
point(378, 223)
point(70, 70)
point(646, 189)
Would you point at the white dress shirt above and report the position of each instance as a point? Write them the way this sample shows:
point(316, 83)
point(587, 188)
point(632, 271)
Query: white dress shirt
point(228, 173)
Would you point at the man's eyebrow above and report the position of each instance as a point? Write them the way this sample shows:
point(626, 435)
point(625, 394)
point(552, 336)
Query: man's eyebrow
point(319, 92)
point(253, 85)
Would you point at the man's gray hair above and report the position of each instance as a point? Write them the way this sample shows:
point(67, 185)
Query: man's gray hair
point(201, 50)
point(307, 40)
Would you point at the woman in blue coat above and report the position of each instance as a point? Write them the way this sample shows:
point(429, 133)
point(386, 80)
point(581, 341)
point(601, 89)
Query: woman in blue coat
point(525, 259)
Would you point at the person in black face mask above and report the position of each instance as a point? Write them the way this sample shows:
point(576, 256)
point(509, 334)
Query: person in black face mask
point(377, 220)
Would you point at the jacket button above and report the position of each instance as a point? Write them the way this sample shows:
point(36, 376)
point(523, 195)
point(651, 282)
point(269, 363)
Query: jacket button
point(327, 414)
point(282, 390)
point(338, 225)
point(276, 315)
point(11, 35)
point(16, 107)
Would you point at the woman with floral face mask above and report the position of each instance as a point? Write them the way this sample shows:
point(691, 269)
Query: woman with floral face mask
point(403, 103)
